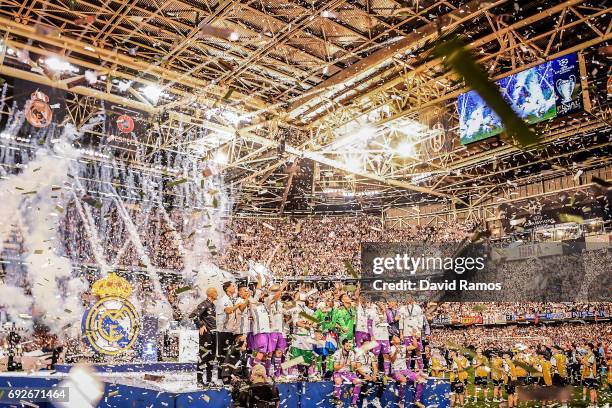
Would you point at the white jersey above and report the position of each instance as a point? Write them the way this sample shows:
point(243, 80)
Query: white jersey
point(345, 358)
point(277, 318)
point(553, 365)
point(302, 338)
point(260, 318)
point(244, 318)
point(365, 361)
point(411, 318)
point(361, 319)
point(400, 361)
point(223, 319)
point(507, 369)
point(380, 327)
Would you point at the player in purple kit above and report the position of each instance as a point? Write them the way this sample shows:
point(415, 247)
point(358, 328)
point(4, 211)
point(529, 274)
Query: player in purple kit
point(402, 374)
point(279, 328)
point(379, 332)
point(344, 363)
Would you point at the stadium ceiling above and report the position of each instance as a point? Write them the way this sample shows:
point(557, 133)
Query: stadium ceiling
point(344, 91)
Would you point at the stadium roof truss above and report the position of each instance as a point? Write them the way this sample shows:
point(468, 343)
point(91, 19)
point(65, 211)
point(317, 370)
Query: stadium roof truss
point(348, 85)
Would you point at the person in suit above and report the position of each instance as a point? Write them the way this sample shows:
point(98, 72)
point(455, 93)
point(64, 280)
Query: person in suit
point(204, 317)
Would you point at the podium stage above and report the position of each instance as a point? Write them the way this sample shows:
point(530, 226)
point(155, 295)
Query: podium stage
point(125, 386)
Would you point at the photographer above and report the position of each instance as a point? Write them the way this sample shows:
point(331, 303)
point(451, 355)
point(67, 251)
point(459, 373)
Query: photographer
point(260, 393)
point(235, 365)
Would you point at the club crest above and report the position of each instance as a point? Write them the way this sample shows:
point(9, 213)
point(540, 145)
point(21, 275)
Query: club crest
point(111, 325)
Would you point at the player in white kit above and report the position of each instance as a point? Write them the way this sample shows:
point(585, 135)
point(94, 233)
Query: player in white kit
point(344, 367)
point(260, 327)
point(366, 368)
point(361, 320)
point(301, 344)
point(411, 322)
point(277, 345)
point(379, 332)
point(243, 315)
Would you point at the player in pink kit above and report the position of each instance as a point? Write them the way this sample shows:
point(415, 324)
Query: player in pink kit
point(379, 332)
point(401, 373)
point(344, 364)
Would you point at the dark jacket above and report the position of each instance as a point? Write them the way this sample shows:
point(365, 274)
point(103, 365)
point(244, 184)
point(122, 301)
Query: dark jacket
point(235, 365)
point(259, 395)
point(205, 315)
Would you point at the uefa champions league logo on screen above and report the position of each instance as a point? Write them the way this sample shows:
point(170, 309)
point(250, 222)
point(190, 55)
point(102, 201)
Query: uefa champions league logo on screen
point(565, 86)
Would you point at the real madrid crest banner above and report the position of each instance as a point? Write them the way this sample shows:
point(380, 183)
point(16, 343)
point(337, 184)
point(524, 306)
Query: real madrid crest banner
point(111, 325)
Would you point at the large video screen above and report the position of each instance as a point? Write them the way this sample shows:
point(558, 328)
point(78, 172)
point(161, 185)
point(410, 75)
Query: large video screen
point(543, 92)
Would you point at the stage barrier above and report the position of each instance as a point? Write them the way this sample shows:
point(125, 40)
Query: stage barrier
point(293, 395)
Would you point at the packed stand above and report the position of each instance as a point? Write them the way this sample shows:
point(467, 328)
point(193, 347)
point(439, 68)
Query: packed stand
point(319, 246)
point(289, 247)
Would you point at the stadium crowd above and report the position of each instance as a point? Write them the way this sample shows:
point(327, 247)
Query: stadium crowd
point(319, 246)
point(455, 310)
point(291, 247)
point(159, 238)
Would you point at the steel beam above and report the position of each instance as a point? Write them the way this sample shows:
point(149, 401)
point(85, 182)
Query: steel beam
point(376, 59)
point(121, 60)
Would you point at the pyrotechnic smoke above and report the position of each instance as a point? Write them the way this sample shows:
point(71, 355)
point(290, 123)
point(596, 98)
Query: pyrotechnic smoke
point(206, 227)
point(10, 192)
point(34, 199)
point(15, 302)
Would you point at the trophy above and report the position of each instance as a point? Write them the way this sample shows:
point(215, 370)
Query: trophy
point(565, 87)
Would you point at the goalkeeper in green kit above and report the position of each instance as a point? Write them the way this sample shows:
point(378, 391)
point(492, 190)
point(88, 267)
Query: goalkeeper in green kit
point(343, 319)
